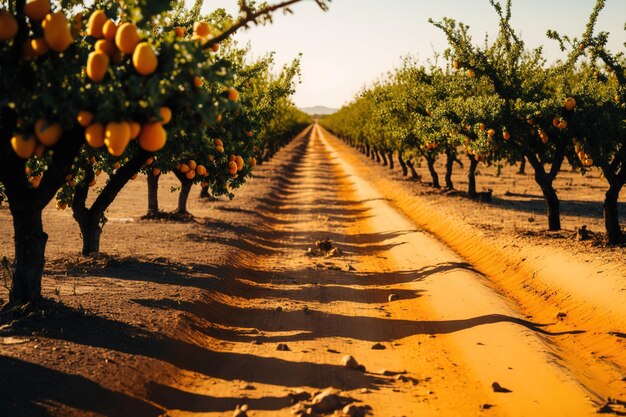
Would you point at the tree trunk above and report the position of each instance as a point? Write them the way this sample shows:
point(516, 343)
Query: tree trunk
point(367, 150)
point(183, 197)
point(611, 214)
point(544, 180)
point(522, 167)
point(377, 155)
point(390, 158)
point(433, 174)
point(552, 200)
point(384, 158)
point(450, 157)
point(92, 220)
point(153, 193)
point(405, 170)
point(414, 174)
point(91, 238)
point(471, 176)
point(30, 247)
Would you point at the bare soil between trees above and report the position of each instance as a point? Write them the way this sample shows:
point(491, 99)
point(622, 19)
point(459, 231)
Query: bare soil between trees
point(202, 317)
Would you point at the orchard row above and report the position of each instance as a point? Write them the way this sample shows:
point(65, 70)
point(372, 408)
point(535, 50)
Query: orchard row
point(500, 104)
point(128, 88)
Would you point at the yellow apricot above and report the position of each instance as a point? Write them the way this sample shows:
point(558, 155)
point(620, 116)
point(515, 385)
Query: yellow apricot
point(144, 59)
point(56, 32)
point(152, 137)
point(94, 135)
point(127, 38)
point(97, 65)
point(48, 133)
point(95, 24)
point(8, 26)
point(23, 146)
point(37, 9)
point(116, 137)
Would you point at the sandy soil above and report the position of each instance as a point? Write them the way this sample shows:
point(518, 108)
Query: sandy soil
point(187, 318)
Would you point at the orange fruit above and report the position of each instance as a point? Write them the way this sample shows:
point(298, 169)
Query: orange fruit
point(190, 175)
point(144, 59)
point(252, 161)
point(23, 146)
point(48, 133)
point(127, 38)
point(94, 135)
point(135, 128)
point(192, 164)
point(180, 31)
point(218, 143)
point(506, 135)
point(220, 149)
point(166, 115)
point(197, 81)
point(84, 118)
point(491, 133)
point(116, 166)
point(152, 137)
point(215, 47)
point(231, 158)
point(156, 171)
point(232, 168)
point(8, 26)
point(588, 162)
point(106, 46)
point(202, 29)
point(219, 118)
point(150, 161)
point(562, 124)
point(39, 46)
point(481, 126)
point(109, 29)
point(233, 95)
point(61, 205)
point(95, 24)
point(116, 137)
point(471, 73)
point(543, 136)
point(249, 133)
point(184, 168)
point(455, 65)
point(569, 103)
point(239, 162)
point(555, 122)
point(97, 65)
point(56, 32)
point(201, 170)
point(37, 9)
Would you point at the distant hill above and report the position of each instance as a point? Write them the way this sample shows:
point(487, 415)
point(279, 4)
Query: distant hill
point(322, 110)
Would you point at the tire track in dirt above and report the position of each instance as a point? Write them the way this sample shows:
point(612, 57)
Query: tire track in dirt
point(451, 334)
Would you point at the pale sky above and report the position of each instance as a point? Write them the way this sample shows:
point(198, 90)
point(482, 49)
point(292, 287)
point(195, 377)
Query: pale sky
point(358, 41)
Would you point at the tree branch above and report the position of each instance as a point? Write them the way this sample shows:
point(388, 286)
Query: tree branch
point(252, 17)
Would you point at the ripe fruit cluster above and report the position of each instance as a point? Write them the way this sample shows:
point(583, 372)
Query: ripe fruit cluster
point(113, 43)
point(191, 169)
point(117, 135)
point(57, 35)
point(46, 135)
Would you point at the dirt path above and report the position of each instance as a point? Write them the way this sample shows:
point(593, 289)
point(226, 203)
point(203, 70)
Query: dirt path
point(448, 333)
point(185, 319)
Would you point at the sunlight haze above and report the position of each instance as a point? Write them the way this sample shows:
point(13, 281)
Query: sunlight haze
point(358, 41)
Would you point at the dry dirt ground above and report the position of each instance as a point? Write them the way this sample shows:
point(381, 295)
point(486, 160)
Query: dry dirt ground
point(199, 318)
